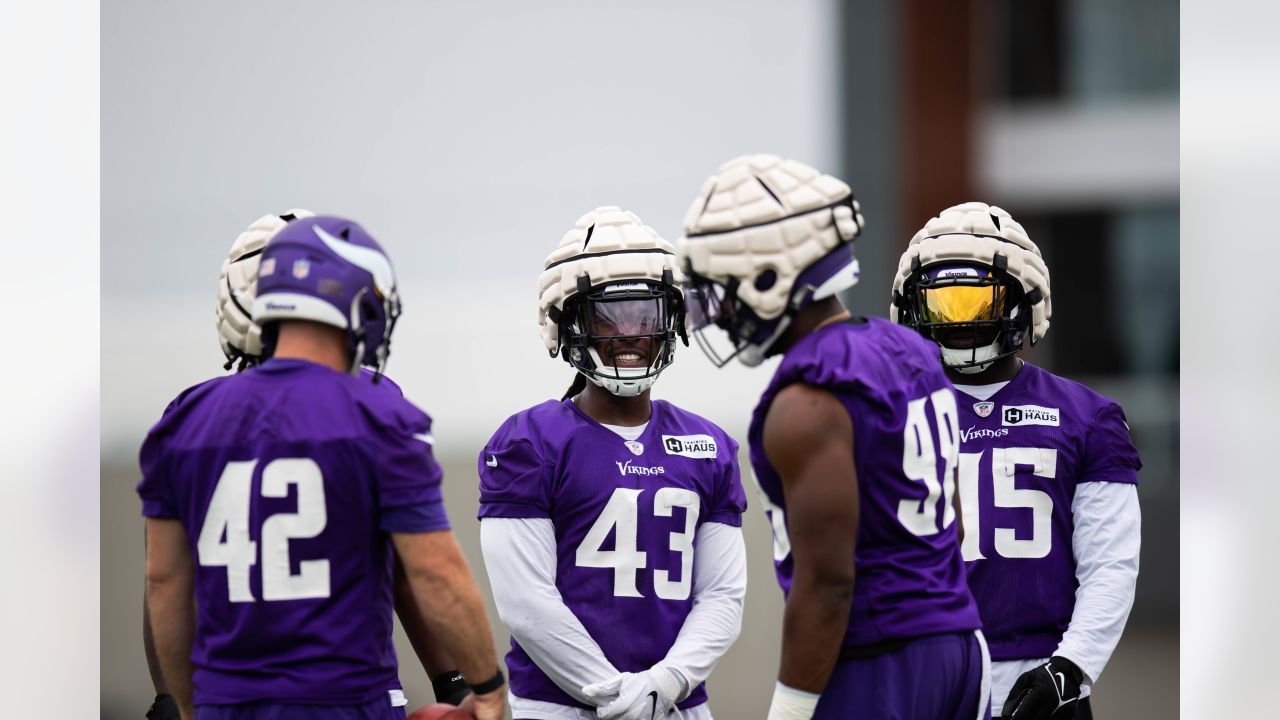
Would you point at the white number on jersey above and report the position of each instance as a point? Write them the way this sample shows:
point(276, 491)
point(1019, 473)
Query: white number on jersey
point(622, 515)
point(228, 517)
point(777, 519)
point(920, 462)
point(1004, 462)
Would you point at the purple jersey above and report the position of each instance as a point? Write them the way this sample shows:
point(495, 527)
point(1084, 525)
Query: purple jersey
point(287, 479)
point(910, 576)
point(625, 516)
point(1022, 453)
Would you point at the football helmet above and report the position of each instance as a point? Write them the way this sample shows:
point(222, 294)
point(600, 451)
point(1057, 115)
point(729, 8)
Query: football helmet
point(765, 237)
point(609, 301)
point(239, 336)
point(329, 270)
point(974, 283)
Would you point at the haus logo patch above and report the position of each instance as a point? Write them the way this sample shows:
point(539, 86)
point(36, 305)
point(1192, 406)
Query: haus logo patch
point(983, 409)
point(1015, 415)
point(691, 446)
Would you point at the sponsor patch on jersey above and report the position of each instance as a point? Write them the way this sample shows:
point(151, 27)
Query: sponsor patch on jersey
point(635, 447)
point(690, 446)
point(1015, 415)
point(983, 409)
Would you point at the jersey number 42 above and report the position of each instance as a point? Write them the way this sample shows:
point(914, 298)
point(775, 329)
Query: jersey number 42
point(224, 537)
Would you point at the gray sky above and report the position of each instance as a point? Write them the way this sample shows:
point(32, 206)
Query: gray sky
point(467, 137)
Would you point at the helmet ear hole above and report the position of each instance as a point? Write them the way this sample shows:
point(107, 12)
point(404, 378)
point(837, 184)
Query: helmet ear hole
point(766, 279)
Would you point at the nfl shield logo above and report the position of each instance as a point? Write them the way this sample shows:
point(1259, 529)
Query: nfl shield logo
point(268, 267)
point(983, 408)
point(301, 268)
point(635, 447)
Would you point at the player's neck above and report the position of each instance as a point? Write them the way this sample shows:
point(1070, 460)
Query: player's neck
point(813, 317)
point(1002, 370)
point(321, 344)
point(608, 409)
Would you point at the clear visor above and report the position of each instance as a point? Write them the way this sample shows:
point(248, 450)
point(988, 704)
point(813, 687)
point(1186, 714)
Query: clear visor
point(705, 303)
point(963, 303)
point(627, 318)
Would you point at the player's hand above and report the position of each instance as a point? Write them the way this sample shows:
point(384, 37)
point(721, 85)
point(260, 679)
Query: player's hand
point(649, 695)
point(450, 687)
point(489, 706)
point(164, 708)
point(1051, 690)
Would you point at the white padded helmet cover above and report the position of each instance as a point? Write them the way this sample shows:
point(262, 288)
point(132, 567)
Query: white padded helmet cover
point(236, 329)
point(760, 211)
point(609, 229)
point(974, 232)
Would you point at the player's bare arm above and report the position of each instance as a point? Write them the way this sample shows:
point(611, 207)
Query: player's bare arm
point(171, 606)
point(446, 681)
point(449, 603)
point(808, 437)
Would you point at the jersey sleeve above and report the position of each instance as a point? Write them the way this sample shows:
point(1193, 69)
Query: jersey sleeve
point(513, 479)
point(156, 487)
point(729, 500)
point(1109, 454)
point(408, 477)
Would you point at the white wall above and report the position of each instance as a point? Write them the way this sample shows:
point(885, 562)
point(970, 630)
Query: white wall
point(467, 137)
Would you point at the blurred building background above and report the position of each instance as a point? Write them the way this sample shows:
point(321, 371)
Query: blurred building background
point(468, 137)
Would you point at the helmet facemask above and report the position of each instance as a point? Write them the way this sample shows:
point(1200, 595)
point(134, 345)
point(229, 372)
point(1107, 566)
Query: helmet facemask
point(746, 336)
point(975, 314)
point(621, 336)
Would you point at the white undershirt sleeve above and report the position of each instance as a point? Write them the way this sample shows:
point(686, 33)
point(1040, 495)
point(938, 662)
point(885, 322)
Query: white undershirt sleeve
point(719, 585)
point(520, 557)
point(1106, 541)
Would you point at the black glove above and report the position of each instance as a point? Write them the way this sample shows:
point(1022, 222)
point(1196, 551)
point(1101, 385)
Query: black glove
point(450, 687)
point(164, 708)
point(1048, 692)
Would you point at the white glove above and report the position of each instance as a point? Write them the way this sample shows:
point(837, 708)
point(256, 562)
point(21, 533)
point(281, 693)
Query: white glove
point(649, 695)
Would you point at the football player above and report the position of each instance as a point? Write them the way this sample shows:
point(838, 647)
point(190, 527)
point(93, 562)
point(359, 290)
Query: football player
point(278, 499)
point(241, 342)
point(1048, 473)
point(610, 522)
point(853, 444)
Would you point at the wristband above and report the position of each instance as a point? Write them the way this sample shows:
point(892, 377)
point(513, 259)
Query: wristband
point(791, 704)
point(450, 687)
point(489, 685)
point(164, 708)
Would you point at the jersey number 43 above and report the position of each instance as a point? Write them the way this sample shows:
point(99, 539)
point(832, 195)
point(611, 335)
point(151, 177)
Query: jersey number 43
point(622, 514)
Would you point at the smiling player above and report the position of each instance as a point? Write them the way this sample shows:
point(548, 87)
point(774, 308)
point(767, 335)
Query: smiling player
point(611, 522)
point(1048, 473)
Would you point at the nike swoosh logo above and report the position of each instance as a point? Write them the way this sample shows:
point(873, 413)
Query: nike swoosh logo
point(427, 438)
point(492, 461)
point(1061, 685)
point(653, 696)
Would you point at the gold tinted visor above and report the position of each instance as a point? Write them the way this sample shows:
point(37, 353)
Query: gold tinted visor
point(962, 303)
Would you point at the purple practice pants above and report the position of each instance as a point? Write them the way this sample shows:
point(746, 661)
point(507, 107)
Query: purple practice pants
point(937, 677)
point(379, 709)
